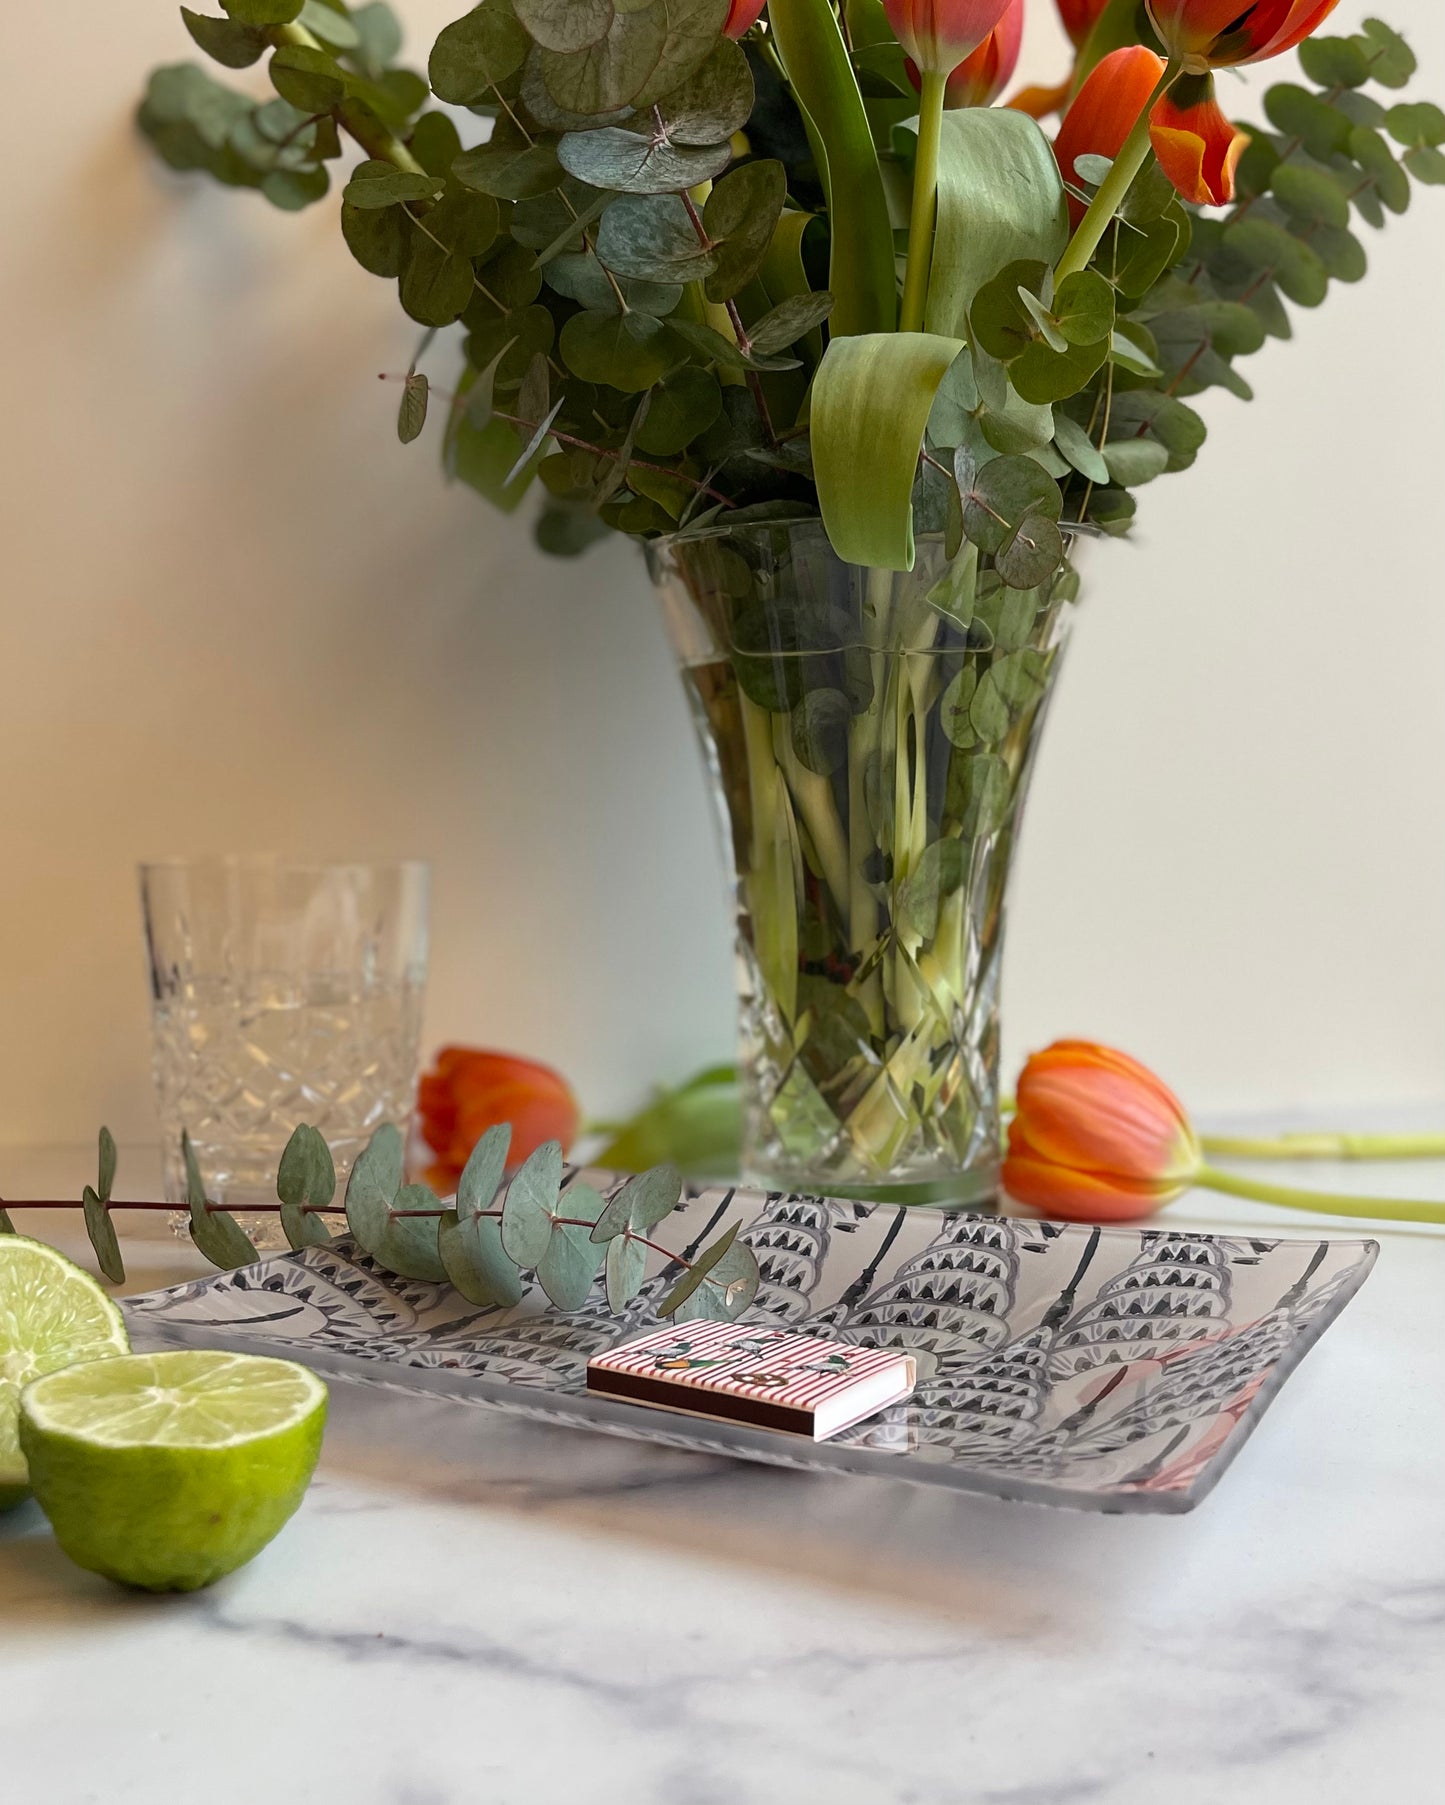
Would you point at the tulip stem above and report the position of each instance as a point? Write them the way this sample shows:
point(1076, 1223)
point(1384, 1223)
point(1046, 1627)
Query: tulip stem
point(1325, 1145)
point(1322, 1203)
point(925, 202)
point(1115, 186)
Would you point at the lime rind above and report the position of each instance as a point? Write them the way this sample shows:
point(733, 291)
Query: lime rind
point(52, 1314)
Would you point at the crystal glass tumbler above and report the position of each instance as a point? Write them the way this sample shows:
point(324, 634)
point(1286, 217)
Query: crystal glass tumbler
point(280, 993)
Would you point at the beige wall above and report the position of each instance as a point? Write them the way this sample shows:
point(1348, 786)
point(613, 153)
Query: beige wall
point(235, 613)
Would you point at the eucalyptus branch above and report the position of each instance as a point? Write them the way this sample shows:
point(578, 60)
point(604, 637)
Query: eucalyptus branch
point(357, 120)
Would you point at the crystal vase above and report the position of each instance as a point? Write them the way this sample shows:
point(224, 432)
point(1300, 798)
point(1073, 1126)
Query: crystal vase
point(868, 736)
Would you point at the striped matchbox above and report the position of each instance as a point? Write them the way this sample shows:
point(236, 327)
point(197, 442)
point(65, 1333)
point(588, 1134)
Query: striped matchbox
point(769, 1378)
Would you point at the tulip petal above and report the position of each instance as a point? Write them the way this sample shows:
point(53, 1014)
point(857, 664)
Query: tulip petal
point(1197, 146)
point(1105, 110)
point(1095, 1110)
point(939, 34)
point(1078, 1196)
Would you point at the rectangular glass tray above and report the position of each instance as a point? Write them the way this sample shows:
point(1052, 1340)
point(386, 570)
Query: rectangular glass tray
point(1100, 1369)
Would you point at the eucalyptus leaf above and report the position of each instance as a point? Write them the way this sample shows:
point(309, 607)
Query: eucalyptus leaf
point(606, 74)
point(215, 1232)
point(739, 217)
point(571, 1259)
point(381, 185)
point(626, 1270)
point(641, 1203)
point(1079, 449)
point(101, 1231)
point(714, 102)
point(510, 167)
point(310, 79)
point(651, 236)
point(105, 1163)
point(941, 869)
point(789, 321)
point(728, 1287)
point(411, 415)
point(329, 23)
point(1004, 494)
point(305, 1184)
point(262, 12)
point(565, 24)
point(580, 277)
point(476, 1263)
point(627, 351)
point(483, 1172)
point(634, 163)
point(436, 285)
point(228, 41)
point(697, 1272)
point(693, 28)
point(477, 52)
point(531, 1203)
point(379, 240)
point(405, 1245)
point(684, 405)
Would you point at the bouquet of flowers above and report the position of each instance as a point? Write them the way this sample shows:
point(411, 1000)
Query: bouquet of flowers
point(779, 290)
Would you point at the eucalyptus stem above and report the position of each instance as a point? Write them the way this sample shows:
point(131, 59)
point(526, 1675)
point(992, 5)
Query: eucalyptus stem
point(1112, 190)
point(1321, 1203)
point(925, 203)
point(360, 122)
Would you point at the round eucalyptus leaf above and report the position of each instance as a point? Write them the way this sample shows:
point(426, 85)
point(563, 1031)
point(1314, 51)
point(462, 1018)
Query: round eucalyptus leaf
point(1295, 267)
point(510, 277)
point(407, 1244)
point(581, 278)
point(373, 1185)
point(1080, 450)
point(1032, 555)
point(697, 1272)
point(382, 185)
point(1133, 462)
point(1043, 376)
point(435, 285)
point(652, 237)
point(293, 189)
point(412, 410)
point(1084, 308)
point(475, 1261)
point(1422, 123)
point(330, 24)
point(1369, 149)
point(565, 24)
point(941, 869)
point(474, 54)
point(627, 351)
point(1322, 129)
point(106, 1164)
point(435, 143)
point(1002, 495)
point(726, 1289)
point(1334, 62)
point(1311, 193)
point(484, 1169)
point(632, 163)
point(819, 730)
point(1392, 61)
point(608, 73)
point(641, 1203)
point(954, 706)
point(1426, 164)
point(310, 79)
point(693, 28)
point(979, 792)
point(465, 222)
point(626, 1269)
point(714, 102)
point(510, 167)
point(740, 216)
point(101, 1230)
point(531, 1203)
point(377, 240)
point(226, 41)
point(305, 1177)
point(789, 321)
point(684, 405)
point(222, 1240)
point(262, 12)
point(572, 1258)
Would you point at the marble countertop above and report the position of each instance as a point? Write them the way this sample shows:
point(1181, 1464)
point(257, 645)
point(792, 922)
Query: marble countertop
point(475, 1610)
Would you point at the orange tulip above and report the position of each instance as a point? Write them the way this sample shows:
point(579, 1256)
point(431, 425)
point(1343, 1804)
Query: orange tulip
point(469, 1091)
point(1197, 147)
point(742, 16)
point(980, 79)
point(1217, 34)
point(1097, 1137)
point(1105, 111)
point(1080, 17)
point(939, 34)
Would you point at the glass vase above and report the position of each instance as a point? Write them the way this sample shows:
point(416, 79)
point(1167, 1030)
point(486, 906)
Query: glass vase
point(869, 737)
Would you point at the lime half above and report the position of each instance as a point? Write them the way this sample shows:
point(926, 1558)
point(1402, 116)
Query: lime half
point(168, 1470)
point(51, 1315)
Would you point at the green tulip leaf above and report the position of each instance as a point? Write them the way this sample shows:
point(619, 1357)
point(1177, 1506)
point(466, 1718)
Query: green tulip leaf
point(1000, 202)
point(871, 400)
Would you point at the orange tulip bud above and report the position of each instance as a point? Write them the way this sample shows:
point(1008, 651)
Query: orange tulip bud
point(980, 79)
point(940, 34)
point(1105, 111)
point(1217, 34)
point(1097, 1137)
point(469, 1091)
point(742, 16)
point(1197, 147)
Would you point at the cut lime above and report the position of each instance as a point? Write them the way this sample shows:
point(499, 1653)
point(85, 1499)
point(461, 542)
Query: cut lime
point(51, 1315)
point(167, 1471)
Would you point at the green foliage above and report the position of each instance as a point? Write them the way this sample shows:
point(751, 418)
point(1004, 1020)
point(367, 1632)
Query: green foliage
point(663, 248)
